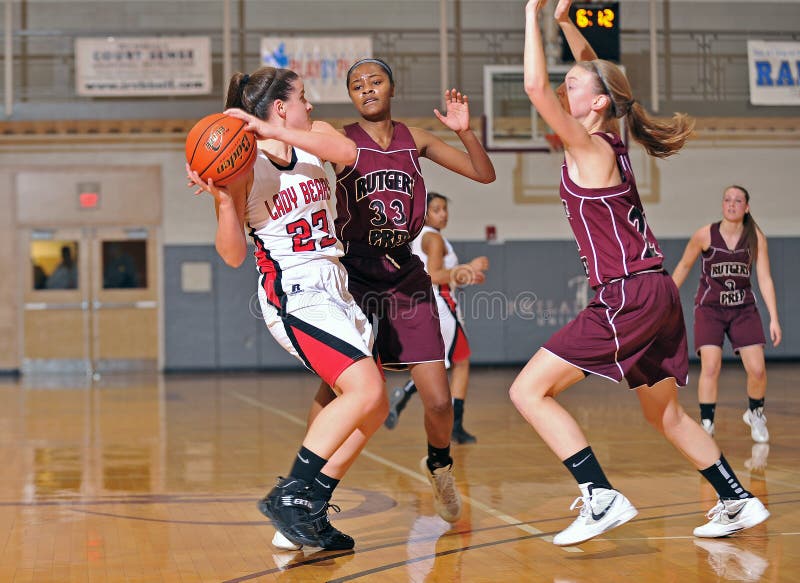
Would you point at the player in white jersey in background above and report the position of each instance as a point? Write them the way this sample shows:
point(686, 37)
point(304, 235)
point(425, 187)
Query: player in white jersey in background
point(284, 201)
point(447, 275)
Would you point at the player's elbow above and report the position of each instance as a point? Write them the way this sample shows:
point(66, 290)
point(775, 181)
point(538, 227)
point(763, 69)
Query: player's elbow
point(234, 261)
point(350, 154)
point(534, 90)
point(232, 257)
point(488, 178)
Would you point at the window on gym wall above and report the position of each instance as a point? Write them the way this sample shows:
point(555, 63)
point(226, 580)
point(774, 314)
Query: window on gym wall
point(124, 264)
point(54, 264)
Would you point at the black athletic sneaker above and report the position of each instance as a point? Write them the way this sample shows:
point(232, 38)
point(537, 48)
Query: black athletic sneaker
point(461, 435)
point(289, 506)
point(330, 538)
point(397, 402)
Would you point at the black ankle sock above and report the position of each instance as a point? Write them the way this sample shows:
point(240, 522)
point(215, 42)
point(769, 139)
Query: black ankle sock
point(323, 486)
point(307, 465)
point(438, 457)
point(458, 412)
point(755, 403)
point(721, 476)
point(584, 467)
point(707, 411)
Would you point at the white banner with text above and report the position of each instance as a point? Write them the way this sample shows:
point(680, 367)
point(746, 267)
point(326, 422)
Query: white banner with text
point(142, 66)
point(774, 69)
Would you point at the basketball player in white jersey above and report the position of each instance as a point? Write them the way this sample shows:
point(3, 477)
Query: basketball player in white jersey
point(284, 202)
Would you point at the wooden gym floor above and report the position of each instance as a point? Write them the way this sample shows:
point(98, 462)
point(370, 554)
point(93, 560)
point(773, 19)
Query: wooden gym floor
point(155, 478)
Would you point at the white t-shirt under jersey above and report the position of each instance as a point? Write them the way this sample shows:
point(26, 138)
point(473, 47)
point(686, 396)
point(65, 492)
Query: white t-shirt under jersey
point(288, 211)
point(450, 257)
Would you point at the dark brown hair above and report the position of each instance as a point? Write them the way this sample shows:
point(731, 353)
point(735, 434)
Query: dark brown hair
point(255, 93)
point(750, 232)
point(431, 196)
point(659, 138)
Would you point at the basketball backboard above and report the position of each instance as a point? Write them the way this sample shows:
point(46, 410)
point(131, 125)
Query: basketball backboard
point(511, 122)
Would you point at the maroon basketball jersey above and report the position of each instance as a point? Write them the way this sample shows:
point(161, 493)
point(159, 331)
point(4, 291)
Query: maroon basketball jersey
point(380, 200)
point(725, 273)
point(609, 225)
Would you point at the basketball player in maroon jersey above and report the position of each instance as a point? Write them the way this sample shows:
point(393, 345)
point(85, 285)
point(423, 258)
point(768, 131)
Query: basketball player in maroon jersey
point(725, 304)
point(381, 202)
point(633, 327)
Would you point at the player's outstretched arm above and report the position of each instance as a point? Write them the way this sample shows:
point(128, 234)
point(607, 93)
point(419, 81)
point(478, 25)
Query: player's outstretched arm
point(580, 47)
point(321, 139)
point(475, 162)
point(699, 242)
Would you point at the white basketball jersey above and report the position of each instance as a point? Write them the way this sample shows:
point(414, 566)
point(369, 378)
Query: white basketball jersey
point(450, 257)
point(288, 213)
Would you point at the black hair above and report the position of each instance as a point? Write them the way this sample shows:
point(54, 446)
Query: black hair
point(433, 196)
point(379, 62)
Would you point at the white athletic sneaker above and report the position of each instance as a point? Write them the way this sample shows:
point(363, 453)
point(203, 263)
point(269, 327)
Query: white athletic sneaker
point(757, 462)
point(758, 424)
point(601, 510)
point(708, 425)
point(730, 516)
point(446, 499)
point(732, 563)
point(281, 542)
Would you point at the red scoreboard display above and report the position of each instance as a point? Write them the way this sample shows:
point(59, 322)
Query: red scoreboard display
point(599, 23)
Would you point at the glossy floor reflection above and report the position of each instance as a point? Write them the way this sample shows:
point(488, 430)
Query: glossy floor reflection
point(155, 478)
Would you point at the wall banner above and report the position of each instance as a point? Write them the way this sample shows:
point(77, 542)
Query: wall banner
point(774, 69)
point(322, 62)
point(142, 66)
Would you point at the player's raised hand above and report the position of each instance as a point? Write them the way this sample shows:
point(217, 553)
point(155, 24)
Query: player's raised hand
point(456, 116)
point(534, 6)
point(562, 10)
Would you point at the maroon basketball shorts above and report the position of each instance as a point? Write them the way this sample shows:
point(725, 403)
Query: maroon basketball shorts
point(451, 323)
point(395, 293)
point(742, 324)
point(633, 329)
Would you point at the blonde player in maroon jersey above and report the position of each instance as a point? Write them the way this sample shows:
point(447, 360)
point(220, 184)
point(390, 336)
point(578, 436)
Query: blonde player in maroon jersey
point(725, 305)
point(633, 327)
point(284, 201)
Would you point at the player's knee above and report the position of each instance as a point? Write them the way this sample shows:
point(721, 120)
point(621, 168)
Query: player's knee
point(373, 398)
point(711, 370)
point(439, 405)
point(757, 374)
point(522, 395)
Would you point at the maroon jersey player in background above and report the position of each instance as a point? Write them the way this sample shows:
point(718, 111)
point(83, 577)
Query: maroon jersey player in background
point(725, 304)
point(633, 327)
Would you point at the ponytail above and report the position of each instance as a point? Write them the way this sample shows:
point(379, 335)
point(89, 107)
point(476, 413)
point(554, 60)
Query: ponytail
point(750, 232)
point(659, 138)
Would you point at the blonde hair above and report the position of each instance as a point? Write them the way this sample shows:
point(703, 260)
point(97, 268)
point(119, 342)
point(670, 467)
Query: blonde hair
point(659, 138)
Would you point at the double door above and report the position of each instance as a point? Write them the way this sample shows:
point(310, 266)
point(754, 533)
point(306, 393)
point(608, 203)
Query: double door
point(90, 300)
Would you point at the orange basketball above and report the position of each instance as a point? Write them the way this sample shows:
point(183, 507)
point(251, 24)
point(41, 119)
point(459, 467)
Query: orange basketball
point(218, 148)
